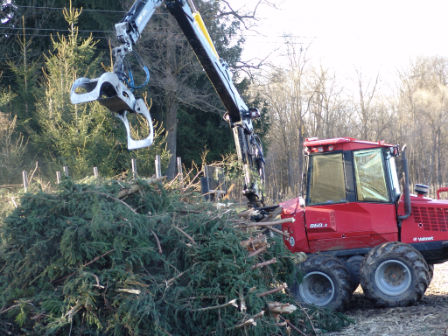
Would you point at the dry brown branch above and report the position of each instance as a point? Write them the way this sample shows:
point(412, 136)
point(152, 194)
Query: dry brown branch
point(280, 232)
point(85, 265)
point(129, 290)
point(193, 181)
point(247, 214)
point(73, 310)
point(243, 306)
point(28, 302)
point(295, 328)
point(126, 192)
point(30, 178)
point(309, 318)
point(230, 303)
point(265, 263)
point(170, 281)
point(257, 252)
point(273, 214)
point(272, 291)
point(250, 321)
point(112, 198)
point(253, 243)
point(229, 190)
point(281, 308)
point(98, 285)
point(10, 186)
point(260, 314)
point(98, 258)
point(157, 241)
point(205, 297)
point(13, 201)
point(277, 222)
point(190, 238)
point(137, 283)
point(241, 17)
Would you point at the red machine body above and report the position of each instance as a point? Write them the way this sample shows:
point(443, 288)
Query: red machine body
point(353, 203)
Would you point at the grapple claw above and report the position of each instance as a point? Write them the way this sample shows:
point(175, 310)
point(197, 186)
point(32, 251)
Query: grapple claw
point(140, 107)
point(109, 91)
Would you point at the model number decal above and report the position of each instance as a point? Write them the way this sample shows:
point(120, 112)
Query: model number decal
point(423, 239)
point(318, 225)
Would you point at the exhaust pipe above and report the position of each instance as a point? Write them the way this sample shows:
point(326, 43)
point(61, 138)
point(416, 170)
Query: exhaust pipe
point(407, 195)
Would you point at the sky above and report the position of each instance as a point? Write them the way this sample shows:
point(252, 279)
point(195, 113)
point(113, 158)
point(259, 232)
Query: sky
point(371, 37)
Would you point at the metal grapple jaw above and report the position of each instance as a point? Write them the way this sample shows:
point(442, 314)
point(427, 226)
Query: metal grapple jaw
point(111, 92)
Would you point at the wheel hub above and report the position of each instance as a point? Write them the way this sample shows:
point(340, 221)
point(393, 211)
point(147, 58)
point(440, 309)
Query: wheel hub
point(317, 288)
point(393, 277)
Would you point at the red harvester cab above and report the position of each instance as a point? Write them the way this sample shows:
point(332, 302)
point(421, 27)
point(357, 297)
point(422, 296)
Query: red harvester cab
point(353, 202)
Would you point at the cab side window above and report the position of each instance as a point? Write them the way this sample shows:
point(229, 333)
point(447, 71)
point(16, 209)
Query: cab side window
point(370, 177)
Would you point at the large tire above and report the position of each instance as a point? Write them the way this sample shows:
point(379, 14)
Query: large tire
point(325, 283)
point(394, 274)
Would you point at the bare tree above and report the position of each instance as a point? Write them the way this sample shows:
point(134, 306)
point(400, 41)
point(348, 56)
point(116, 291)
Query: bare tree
point(423, 112)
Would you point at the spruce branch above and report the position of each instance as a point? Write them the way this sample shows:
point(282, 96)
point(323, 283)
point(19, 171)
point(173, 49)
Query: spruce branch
point(272, 291)
point(230, 303)
point(126, 192)
point(76, 308)
point(308, 317)
point(248, 322)
point(112, 198)
point(280, 232)
point(19, 304)
point(159, 247)
point(257, 252)
point(84, 265)
point(190, 238)
point(129, 290)
point(265, 263)
point(243, 306)
point(170, 281)
point(294, 327)
point(265, 224)
point(253, 243)
point(97, 258)
point(281, 308)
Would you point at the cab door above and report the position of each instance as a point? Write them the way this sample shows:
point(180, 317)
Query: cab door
point(349, 202)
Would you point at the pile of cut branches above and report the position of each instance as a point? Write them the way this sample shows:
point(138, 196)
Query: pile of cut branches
point(137, 258)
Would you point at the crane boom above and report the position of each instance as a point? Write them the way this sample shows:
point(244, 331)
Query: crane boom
point(115, 91)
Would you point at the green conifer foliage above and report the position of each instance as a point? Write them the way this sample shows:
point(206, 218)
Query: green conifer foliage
point(77, 136)
point(25, 71)
point(12, 143)
point(134, 259)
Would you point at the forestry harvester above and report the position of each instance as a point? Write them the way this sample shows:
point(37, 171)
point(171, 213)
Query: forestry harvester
point(358, 227)
point(355, 223)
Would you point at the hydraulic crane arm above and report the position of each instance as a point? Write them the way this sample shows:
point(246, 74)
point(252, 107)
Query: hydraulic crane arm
point(114, 90)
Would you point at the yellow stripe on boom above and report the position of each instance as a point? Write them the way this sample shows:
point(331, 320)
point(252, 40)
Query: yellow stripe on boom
point(200, 22)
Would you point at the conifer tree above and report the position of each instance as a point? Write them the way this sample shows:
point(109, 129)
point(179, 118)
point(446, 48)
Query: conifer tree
point(25, 73)
point(12, 144)
point(79, 136)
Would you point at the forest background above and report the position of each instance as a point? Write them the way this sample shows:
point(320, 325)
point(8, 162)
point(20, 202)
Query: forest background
point(44, 49)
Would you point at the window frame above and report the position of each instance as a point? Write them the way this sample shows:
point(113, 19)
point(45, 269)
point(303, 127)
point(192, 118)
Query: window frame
point(348, 187)
point(387, 176)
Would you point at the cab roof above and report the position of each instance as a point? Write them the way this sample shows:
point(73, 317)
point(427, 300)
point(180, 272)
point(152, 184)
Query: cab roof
point(342, 144)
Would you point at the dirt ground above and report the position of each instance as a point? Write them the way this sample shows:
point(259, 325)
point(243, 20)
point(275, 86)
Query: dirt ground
point(427, 318)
